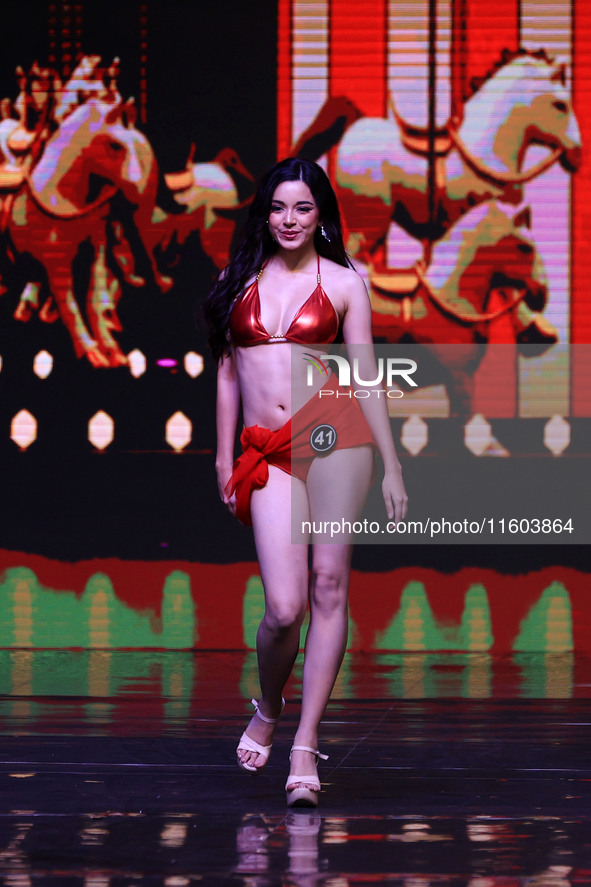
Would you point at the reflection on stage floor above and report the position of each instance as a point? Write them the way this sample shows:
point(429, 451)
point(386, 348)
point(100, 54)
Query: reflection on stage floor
point(118, 768)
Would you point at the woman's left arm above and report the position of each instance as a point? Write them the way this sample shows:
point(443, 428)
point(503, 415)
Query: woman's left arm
point(358, 338)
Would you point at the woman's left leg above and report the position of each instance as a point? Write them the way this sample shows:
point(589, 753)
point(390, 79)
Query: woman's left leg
point(330, 499)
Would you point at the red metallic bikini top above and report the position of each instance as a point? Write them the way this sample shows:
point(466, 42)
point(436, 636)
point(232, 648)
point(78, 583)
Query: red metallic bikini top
point(316, 322)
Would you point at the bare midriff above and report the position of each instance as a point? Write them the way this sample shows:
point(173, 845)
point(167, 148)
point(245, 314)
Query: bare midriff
point(273, 381)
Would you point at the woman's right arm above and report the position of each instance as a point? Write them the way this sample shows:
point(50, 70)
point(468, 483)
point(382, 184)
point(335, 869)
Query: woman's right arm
point(227, 413)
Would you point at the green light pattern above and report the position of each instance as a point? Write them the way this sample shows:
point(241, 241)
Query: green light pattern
point(547, 627)
point(414, 626)
point(37, 617)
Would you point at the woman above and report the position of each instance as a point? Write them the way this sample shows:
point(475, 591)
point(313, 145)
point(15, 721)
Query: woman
point(290, 286)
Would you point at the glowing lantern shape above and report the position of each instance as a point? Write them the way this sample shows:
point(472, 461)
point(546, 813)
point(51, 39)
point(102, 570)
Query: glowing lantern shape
point(414, 435)
point(478, 435)
point(179, 431)
point(173, 834)
point(137, 363)
point(23, 429)
point(193, 364)
point(43, 364)
point(556, 435)
point(101, 430)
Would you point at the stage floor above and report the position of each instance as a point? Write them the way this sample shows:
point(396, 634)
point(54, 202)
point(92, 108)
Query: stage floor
point(118, 769)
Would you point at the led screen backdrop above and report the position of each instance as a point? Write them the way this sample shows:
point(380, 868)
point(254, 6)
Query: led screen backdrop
point(453, 69)
point(131, 138)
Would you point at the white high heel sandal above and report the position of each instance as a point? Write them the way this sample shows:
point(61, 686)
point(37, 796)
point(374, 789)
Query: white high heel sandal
point(248, 744)
point(296, 788)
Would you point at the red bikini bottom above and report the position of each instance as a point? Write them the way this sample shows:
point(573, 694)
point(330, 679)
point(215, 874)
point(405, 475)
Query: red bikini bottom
point(331, 419)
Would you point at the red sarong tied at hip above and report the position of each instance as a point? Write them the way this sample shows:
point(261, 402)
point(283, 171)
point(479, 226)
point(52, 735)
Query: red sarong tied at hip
point(261, 447)
point(290, 448)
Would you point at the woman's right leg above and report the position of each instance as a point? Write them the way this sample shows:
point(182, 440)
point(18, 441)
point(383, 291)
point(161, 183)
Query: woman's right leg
point(284, 571)
point(337, 489)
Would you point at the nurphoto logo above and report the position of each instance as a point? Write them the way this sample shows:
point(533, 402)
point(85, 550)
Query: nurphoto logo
point(389, 371)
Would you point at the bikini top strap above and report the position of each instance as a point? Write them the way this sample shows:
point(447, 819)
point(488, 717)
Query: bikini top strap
point(264, 265)
point(319, 277)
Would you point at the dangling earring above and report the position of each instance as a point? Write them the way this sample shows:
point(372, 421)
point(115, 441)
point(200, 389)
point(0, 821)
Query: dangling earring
point(324, 234)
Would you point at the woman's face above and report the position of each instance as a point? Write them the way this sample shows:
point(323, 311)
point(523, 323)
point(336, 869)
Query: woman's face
point(294, 216)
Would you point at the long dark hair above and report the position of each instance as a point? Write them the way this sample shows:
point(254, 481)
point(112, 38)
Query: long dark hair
point(257, 245)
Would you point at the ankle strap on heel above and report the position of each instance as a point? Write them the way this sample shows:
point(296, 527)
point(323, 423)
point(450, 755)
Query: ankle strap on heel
point(313, 751)
point(263, 717)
